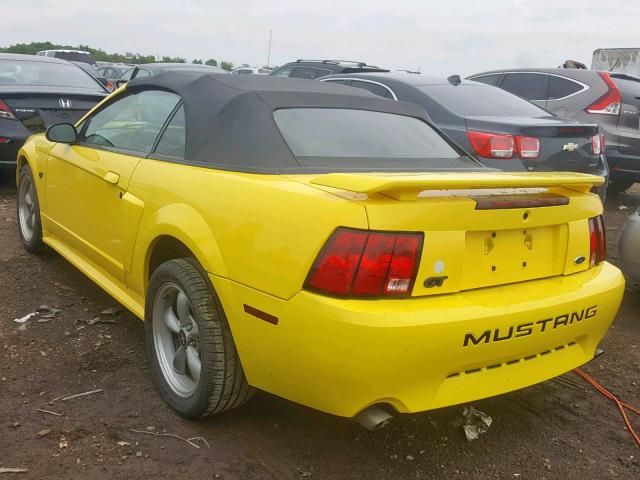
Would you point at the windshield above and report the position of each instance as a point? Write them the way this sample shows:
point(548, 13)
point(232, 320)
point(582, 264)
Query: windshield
point(364, 139)
point(45, 74)
point(482, 100)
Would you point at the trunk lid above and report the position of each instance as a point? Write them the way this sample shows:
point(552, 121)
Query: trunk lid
point(480, 229)
point(37, 111)
point(564, 145)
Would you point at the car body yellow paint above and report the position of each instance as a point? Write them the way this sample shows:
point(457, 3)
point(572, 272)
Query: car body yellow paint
point(258, 235)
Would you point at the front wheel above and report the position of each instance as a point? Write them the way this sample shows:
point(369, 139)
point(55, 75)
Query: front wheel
point(29, 223)
point(193, 358)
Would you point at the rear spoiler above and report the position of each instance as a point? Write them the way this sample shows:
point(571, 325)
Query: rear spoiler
point(407, 186)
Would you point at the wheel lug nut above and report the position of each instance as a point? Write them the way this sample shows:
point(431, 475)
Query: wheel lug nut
point(189, 327)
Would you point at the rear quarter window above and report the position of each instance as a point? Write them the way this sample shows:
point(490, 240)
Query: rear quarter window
point(560, 87)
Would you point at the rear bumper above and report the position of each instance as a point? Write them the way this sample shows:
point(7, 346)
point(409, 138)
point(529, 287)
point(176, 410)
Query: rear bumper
point(623, 166)
point(340, 356)
point(629, 246)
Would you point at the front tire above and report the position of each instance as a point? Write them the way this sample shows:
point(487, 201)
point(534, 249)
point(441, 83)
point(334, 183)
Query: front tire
point(29, 223)
point(193, 359)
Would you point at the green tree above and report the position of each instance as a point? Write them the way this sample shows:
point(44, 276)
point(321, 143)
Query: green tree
point(196, 61)
point(227, 66)
point(166, 59)
point(211, 62)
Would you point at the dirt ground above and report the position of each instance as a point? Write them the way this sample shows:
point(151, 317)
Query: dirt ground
point(561, 429)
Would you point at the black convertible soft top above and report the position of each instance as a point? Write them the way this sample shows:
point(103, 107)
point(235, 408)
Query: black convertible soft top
point(229, 118)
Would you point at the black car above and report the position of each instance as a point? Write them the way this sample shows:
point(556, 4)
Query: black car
point(500, 129)
point(39, 91)
point(312, 69)
point(149, 69)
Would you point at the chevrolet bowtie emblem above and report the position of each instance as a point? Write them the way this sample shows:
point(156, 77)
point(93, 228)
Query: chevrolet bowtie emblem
point(570, 147)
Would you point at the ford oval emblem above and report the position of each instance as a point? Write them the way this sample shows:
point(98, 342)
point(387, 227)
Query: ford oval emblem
point(579, 260)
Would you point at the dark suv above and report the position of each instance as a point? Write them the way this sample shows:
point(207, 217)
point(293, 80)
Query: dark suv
point(312, 69)
point(612, 100)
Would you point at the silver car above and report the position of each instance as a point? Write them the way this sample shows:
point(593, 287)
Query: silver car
point(629, 246)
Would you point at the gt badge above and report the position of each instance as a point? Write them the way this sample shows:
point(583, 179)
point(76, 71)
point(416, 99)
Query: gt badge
point(435, 281)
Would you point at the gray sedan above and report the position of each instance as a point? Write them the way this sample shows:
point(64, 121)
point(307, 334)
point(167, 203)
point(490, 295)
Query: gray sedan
point(630, 247)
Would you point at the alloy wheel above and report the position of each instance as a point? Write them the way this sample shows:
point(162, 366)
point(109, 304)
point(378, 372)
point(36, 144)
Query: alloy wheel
point(27, 207)
point(176, 339)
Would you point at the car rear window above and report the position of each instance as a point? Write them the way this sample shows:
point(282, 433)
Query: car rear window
point(362, 138)
point(75, 57)
point(46, 74)
point(481, 100)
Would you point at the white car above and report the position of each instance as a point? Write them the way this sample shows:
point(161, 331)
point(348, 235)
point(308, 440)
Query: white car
point(249, 70)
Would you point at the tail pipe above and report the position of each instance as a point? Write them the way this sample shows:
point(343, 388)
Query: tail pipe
point(373, 418)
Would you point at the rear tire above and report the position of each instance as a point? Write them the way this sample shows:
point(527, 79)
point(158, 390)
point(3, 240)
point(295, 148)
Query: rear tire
point(619, 186)
point(28, 212)
point(192, 355)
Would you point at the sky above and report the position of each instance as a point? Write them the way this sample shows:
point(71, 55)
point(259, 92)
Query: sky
point(439, 38)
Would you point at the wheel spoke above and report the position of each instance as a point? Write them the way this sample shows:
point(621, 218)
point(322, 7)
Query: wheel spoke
point(27, 199)
point(183, 309)
point(193, 360)
point(171, 321)
point(180, 361)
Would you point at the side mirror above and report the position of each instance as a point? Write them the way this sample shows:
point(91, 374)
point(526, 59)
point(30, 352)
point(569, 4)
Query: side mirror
point(62, 133)
point(119, 83)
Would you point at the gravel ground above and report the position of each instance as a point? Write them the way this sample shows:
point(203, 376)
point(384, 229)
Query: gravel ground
point(559, 429)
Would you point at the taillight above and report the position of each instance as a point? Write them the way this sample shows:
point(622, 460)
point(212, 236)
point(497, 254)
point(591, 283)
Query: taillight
point(359, 263)
point(597, 144)
point(609, 103)
point(597, 240)
point(492, 145)
point(529, 147)
point(501, 146)
point(109, 85)
point(5, 111)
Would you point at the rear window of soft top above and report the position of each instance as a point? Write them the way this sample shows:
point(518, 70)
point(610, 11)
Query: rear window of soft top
point(326, 137)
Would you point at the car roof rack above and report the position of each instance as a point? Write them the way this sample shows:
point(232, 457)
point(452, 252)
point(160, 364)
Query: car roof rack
point(338, 62)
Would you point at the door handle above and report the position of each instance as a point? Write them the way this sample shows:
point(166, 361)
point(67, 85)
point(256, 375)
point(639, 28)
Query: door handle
point(111, 177)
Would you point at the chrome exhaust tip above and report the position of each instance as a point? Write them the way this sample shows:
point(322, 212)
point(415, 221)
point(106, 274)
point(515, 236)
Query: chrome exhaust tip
point(373, 418)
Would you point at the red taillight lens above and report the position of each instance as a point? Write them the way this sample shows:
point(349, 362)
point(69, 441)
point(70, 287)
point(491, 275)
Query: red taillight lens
point(501, 146)
point(109, 84)
point(597, 144)
point(529, 147)
point(597, 240)
point(5, 111)
point(359, 263)
point(492, 145)
point(335, 268)
point(609, 103)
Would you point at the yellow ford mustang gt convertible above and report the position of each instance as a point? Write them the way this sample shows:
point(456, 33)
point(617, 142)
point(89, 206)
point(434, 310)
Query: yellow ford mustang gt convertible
point(319, 243)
